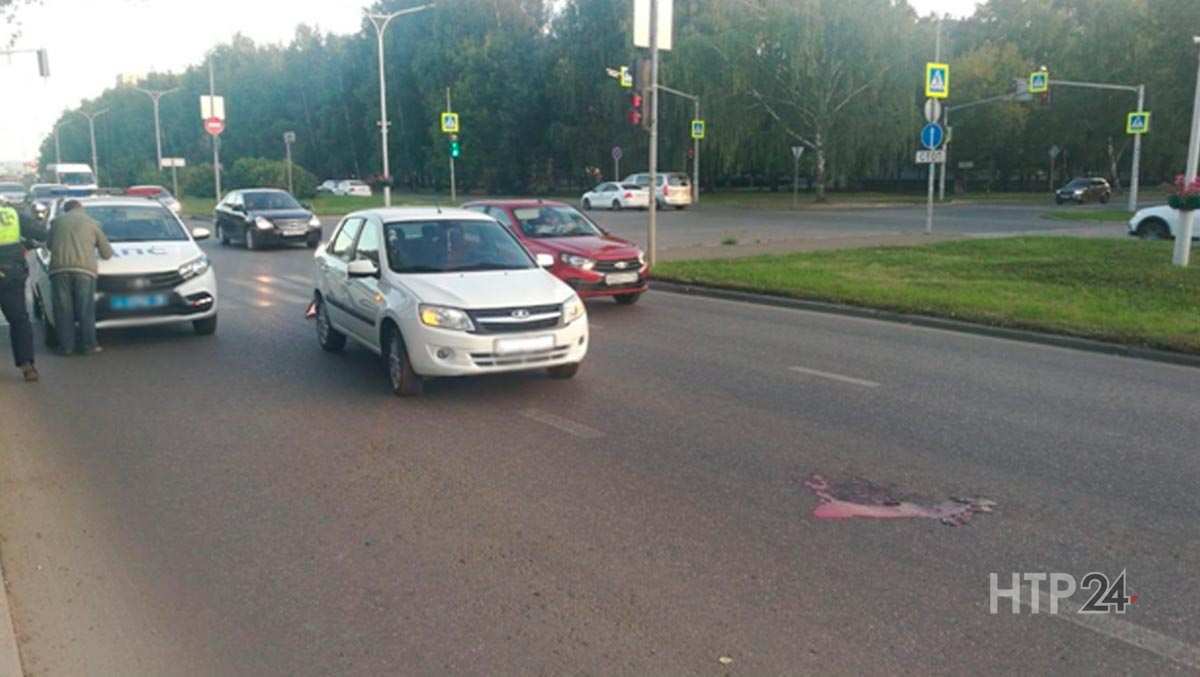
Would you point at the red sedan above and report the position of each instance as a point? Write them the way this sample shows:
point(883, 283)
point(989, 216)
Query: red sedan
point(589, 259)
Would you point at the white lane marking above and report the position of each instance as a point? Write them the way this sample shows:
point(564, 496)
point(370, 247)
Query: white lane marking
point(10, 658)
point(835, 377)
point(1110, 625)
point(266, 290)
point(566, 425)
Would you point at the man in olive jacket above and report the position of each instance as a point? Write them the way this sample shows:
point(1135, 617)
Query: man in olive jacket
point(17, 229)
point(75, 239)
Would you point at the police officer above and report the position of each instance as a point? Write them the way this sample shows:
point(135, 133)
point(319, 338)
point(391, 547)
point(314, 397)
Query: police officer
point(17, 228)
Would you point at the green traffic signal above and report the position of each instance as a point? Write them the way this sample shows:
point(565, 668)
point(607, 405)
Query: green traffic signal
point(455, 148)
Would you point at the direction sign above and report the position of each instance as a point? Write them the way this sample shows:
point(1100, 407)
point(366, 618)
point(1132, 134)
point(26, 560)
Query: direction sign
point(932, 135)
point(214, 126)
point(937, 80)
point(697, 129)
point(617, 153)
point(626, 78)
point(1138, 122)
point(931, 157)
point(450, 123)
point(1039, 82)
point(797, 151)
point(289, 137)
point(933, 110)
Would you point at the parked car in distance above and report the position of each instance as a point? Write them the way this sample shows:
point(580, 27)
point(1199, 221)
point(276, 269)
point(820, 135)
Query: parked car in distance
point(1157, 223)
point(613, 195)
point(444, 292)
point(158, 274)
point(328, 186)
point(258, 217)
point(674, 188)
point(352, 188)
point(1082, 190)
point(11, 191)
point(589, 259)
point(156, 193)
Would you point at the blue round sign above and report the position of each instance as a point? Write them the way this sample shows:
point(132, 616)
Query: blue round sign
point(932, 135)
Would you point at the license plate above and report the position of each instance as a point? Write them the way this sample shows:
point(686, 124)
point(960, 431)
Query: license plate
point(620, 278)
point(138, 302)
point(295, 231)
point(529, 344)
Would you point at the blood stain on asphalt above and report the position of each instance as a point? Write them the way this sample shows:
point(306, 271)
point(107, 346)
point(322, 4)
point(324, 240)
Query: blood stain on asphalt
point(863, 498)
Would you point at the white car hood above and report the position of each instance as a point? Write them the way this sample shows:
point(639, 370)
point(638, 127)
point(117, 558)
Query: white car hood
point(488, 289)
point(132, 258)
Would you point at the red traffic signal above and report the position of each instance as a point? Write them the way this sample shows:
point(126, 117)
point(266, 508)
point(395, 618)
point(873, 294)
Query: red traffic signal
point(635, 109)
point(691, 153)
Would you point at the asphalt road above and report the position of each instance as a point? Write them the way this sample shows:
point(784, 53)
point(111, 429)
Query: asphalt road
point(247, 504)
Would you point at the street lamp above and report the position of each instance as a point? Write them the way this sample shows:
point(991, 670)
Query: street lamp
point(155, 95)
point(91, 118)
point(380, 22)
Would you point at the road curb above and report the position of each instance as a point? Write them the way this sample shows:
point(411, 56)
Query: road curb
point(1025, 335)
point(10, 657)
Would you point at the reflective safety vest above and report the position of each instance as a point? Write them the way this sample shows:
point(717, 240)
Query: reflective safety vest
point(10, 226)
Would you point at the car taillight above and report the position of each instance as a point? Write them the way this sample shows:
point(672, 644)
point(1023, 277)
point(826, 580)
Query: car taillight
point(628, 195)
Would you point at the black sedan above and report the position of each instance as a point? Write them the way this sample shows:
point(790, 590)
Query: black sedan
point(258, 217)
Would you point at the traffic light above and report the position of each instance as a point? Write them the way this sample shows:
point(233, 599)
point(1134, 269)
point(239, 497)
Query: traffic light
point(43, 63)
point(636, 101)
point(455, 146)
point(691, 153)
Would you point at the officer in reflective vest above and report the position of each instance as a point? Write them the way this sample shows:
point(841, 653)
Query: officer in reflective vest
point(17, 230)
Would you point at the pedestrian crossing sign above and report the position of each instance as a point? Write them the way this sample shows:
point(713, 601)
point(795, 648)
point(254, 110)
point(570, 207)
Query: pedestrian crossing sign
point(450, 123)
point(937, 80)
point(697, 129)
point(1138, 123)
point(1039, 82)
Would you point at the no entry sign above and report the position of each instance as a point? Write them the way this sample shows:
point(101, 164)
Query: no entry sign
point(214, 126)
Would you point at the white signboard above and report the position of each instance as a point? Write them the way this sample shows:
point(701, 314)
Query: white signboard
point(212, 107)
point(641, 23)
point(797, 151)
point(169, 162)
point(933, 110)
point(927, 157)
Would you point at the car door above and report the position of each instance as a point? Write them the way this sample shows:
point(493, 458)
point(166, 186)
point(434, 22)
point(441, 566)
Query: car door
point(605, 194)
point(363, 295)
point(331, 271)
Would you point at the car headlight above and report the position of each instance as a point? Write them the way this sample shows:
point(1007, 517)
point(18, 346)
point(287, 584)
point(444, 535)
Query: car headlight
point(580, 262)
point(263, 223)
point(572, 310)
point(445, 318)
point(314, 222)
point(642, 257)
point(194, 268)
point(1079, 192)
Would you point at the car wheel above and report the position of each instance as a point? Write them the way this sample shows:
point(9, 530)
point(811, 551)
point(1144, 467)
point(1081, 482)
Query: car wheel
point(587, 205)
point(563, 371)
point(1153, 229)
point(205, 327)
point(331, 340)
point(404, 381)
point(680, 207)
point(1058, 201)
point(222, 236)
point(313, 241)
point(252, 242)
point(616, 205)
point(627, 299)
point(1104, 198)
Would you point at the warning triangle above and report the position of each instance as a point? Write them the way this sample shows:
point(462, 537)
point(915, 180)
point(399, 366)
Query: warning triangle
point(936, 81)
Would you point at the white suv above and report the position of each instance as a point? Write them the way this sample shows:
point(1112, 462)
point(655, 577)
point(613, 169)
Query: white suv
point(444, 292)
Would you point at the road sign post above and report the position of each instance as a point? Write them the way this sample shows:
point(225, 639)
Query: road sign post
point(450, 126)
point(698, 130)
point(797, 151)
point(174, 163)
point(288, 139)
point(617, 154)
point(931, 137)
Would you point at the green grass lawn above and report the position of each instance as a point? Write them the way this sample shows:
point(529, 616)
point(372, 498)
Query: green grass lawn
point(1115, 290)
point(1089, 215)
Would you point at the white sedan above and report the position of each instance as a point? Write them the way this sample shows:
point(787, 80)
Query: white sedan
point(1157, 223)
point(614, 195)
point(352, 188)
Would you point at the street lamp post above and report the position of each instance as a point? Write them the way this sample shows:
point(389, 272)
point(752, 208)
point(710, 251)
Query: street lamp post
point(1187, 220)
point(155, 95)
point(57, 146)
point(380, 22)
point(91, 118)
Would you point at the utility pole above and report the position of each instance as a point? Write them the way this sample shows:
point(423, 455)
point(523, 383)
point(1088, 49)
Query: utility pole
point(1183, 239)
point(937, 57)
point(155, 95)
point(453, 187)
point(57, 146)
point(652, 243)
point(380, 22)
point(288, 139)
point(216, 138)
point(1140, 90)
point(91, 118)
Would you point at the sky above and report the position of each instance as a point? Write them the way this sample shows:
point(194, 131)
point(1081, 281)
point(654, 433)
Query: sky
point(91, 42)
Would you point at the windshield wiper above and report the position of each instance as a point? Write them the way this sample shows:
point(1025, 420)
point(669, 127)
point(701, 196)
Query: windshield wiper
point(483, 266)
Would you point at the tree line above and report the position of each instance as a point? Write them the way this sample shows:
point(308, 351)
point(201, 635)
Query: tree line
point(841, 78)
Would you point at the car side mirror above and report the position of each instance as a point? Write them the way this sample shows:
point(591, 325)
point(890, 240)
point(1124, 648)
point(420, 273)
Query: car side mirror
point(201, 233)
point(307, 206)
point(362, 268)
point(238, 208)
point(545, 260)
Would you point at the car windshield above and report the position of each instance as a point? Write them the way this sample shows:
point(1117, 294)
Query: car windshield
point(453, 246)
point(12, 188)
point(136, 223)
point(263, 201)
point(1078, 183)
point(77, 179)
point(554, 221)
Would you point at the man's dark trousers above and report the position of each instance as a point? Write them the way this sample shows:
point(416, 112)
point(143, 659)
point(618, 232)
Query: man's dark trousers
point(12, 303)
point(74, 301)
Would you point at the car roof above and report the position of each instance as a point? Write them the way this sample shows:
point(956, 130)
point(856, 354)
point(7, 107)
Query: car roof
point(392, 214)
point(146, 187)
point(519, 202)
point(116, 201)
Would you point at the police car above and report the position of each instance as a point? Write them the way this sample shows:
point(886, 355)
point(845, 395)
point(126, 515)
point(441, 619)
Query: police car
point(158, 274)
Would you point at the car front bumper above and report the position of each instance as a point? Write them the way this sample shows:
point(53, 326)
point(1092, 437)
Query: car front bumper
point(441, 352)
point(195, 299)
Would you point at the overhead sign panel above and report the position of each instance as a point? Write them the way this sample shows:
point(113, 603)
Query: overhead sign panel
point(641, 23)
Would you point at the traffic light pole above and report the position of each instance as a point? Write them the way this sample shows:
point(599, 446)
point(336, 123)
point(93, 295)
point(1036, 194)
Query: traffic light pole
point(453, 187)
point(695, 142)
point(652, 243)
point(1140, 90)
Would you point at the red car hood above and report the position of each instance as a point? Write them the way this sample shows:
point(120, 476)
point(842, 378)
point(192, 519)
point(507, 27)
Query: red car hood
point(605, 247)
